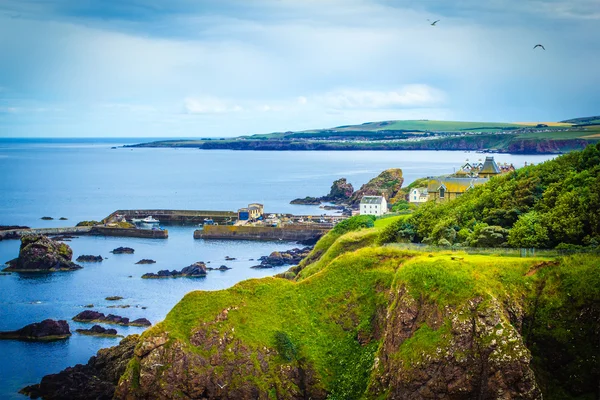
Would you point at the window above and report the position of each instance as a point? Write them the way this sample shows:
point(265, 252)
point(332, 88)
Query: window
point(442, 192)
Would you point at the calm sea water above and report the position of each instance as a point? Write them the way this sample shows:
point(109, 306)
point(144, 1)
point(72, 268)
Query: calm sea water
point(86, 179)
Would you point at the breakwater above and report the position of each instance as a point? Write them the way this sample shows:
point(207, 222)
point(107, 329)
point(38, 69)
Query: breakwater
point(183, 217)
point(290, 232)
point(86, 230)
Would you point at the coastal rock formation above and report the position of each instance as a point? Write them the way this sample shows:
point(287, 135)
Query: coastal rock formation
point(386, 184)
point(97, 330)
point(113, 298)
point(48, 329)
point(278, 259)
point(123, 250)
point(47, 218)
point(11, 227)
point(95, 380)
point(95, 316)
point(146, 261)
point(88, 258)
point(40, 253)
point(340, 192)
point(195, 270)
point(474, 349)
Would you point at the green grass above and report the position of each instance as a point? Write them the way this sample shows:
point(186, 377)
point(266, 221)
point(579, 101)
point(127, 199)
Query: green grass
point(384, 221)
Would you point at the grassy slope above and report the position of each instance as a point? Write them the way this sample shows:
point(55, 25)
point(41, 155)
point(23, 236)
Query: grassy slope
point(337, 295)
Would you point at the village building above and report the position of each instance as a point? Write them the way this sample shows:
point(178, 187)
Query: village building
point(449, 188)
point(373, 205)
point(418, 195)
point(252, 212)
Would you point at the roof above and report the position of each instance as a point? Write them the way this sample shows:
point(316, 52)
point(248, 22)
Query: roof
point(489, 166)
point(454, 185)
point(371, 200)
point(421, 190)
point(253, 208)
point(243, 210)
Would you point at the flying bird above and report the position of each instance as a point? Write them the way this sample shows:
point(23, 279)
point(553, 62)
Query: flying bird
point(219, 385)
point(434, 22)
point(539, 45)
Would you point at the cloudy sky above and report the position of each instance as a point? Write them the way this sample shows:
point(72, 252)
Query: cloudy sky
point(193, 68)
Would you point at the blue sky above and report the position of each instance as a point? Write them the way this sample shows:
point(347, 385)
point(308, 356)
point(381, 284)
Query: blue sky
point(193, 68)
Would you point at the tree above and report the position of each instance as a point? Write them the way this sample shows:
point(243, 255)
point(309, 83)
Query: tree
point(529, 231)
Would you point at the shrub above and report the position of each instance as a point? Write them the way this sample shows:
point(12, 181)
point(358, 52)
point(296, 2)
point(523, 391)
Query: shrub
point(354, 223)
point(285, 347)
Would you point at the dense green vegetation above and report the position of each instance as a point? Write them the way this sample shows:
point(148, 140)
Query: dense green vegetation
point(552, 204)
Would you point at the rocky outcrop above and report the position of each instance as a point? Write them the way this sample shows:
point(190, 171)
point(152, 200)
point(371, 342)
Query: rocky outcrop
point(386, 184)
point(88, 258)
point(48, 329)
point(95, 380)
point(340, 192)
point(220, 376)
point(97, 330)
point(123, 250)
point(12, 227)
point(113, 298)
point(469, 351)
point(146, 261)
point(278, 259)
point(221, 268)
point(47, 218)
point(196, 270)
point(40, 253)
point(95, 316)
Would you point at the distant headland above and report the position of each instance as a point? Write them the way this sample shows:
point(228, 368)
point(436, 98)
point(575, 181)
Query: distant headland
point(494, 137)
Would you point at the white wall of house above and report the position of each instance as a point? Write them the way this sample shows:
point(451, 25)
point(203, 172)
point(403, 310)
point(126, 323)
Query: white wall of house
point(374, 209)
point(417, 195)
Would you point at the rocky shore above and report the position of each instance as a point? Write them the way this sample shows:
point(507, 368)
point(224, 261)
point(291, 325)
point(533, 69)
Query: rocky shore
point(340, 192)
point(146, 261)
point(95, 316)
point(39, 253)
point(281, 258)
point(95, 380)
point(46, 330)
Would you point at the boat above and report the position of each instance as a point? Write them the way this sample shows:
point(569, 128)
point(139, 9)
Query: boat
point(147, 220)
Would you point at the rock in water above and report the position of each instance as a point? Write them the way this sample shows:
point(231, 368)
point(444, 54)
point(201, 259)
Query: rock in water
point(196, 270)
point(146, 261)
point(123, 250)
point(340, 192)
point(386, 184)
point(98, 331)
point(48, 329)
point(95, 316)
point(96, 380)
point(40, 253)
point(87, 258)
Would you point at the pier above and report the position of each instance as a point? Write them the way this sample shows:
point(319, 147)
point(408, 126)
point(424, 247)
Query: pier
point(288, 232)
point(86, 230)
point(180, 217)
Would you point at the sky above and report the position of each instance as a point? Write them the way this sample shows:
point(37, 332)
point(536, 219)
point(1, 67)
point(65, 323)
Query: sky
point(219, 68)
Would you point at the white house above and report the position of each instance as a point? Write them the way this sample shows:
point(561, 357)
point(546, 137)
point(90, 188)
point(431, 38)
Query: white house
point(373, 205)
point(418, 195)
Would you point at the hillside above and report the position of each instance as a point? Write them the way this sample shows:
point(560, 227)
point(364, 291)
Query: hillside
point(547, 205)
point(523, 137)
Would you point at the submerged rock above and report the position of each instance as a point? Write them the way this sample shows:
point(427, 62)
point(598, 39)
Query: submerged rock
point(40, 253)
point(95, 380)
point(47, 218)
point(113, 298)
point(48, 329)
point(98, 330)
point(195, 270)
point(123, 250)
point(88, 258)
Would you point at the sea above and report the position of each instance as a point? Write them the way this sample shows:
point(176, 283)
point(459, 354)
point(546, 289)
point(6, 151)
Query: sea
point(87, 179)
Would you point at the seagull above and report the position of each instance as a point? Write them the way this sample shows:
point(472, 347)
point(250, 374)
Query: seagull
point(221, 386)
point(539, 45)
point(434, 22)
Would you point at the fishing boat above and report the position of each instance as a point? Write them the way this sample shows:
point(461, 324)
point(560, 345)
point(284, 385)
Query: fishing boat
point(147, 220)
